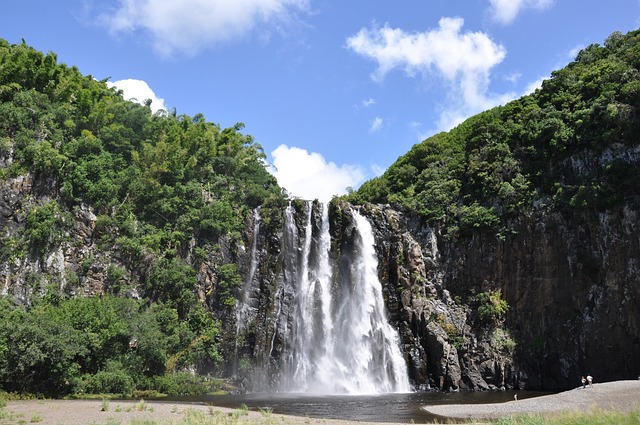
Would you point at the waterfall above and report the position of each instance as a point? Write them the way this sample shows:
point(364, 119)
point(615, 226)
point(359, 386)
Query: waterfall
point(339, 338)
point(243, 305)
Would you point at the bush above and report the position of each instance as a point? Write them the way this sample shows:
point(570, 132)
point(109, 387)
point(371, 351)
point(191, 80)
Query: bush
point(42, 221)
point(182, 383)
point(108, 382)
point(455, 338)
point(490, 306)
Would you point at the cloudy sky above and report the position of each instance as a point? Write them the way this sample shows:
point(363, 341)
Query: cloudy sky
point(334, 90)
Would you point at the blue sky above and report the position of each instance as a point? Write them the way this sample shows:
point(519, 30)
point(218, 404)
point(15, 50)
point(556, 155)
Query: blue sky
point(334, 90)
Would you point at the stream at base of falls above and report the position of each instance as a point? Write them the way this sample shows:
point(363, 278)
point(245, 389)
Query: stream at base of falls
point(395, 407)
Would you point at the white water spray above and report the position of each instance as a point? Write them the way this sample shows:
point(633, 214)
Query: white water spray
point(342, 342)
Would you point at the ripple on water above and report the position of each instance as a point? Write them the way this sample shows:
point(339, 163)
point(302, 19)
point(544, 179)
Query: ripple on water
point(404, 408)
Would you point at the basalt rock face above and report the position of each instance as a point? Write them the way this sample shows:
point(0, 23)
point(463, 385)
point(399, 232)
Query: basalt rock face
point(444, 347)
point(570, 279)
point(79, 257)
point(25, 272)
point(572, 284)
point(440, 344)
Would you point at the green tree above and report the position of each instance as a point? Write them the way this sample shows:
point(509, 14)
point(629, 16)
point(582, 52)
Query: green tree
point(172, 282)
point(41, 354)
point(42, 225)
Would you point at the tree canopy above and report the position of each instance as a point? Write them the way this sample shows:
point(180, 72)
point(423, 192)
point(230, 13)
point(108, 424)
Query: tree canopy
point(500, 163)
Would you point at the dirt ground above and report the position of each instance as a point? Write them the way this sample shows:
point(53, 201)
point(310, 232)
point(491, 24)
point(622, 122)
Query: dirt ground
point(621, 396)
point(94, 412)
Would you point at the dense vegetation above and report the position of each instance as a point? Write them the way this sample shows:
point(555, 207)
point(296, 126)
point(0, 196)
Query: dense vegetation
point(104, 344)
point(510, 160)
point(166, 190)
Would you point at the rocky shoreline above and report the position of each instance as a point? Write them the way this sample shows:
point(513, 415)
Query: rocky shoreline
point(621, 396)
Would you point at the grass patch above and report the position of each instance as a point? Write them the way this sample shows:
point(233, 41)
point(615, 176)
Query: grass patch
point(141, 406)
point(593, 417)
point(266, 411)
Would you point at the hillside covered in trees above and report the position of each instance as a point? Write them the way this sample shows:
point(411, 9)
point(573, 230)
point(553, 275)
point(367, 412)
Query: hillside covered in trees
point(506, 162)
point(166, 190)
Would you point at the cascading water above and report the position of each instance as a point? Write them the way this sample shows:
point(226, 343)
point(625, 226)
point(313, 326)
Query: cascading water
point(340, 341)
point(243, 305)
point(313, 324)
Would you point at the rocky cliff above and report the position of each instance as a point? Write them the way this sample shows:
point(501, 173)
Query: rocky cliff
point(440, 344)
point(570, 279)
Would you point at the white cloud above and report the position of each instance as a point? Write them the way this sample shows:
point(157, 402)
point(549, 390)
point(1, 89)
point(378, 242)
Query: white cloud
point(376, 125)
point(573, 53)
point(506, 11)
point(368, 102)
point(445, 48)
point(463, 59)
point(309, 176)
point(378, 170)
point(187, 26)
point(513, 78)
point(139, 91)
point(531, 87)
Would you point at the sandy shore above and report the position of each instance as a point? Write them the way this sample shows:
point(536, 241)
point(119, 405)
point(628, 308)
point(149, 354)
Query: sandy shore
point(621, 396)
point(90, 412)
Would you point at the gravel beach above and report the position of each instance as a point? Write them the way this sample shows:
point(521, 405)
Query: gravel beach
point(621, 396)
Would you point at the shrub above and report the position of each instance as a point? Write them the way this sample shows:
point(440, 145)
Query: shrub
point(502, 340)
point(455, 338)
point(490, 306)
point(181, 383)
point(42, 222)
point(108, 382)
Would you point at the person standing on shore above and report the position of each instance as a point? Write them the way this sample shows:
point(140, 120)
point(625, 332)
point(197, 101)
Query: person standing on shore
point(590, 380)
point(584, 382)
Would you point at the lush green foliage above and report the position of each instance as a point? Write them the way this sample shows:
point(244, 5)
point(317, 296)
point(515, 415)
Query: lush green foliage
point(167, 190)
point(100, 345)
point(177, 176)
point(499, 164)
point(489, 306)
